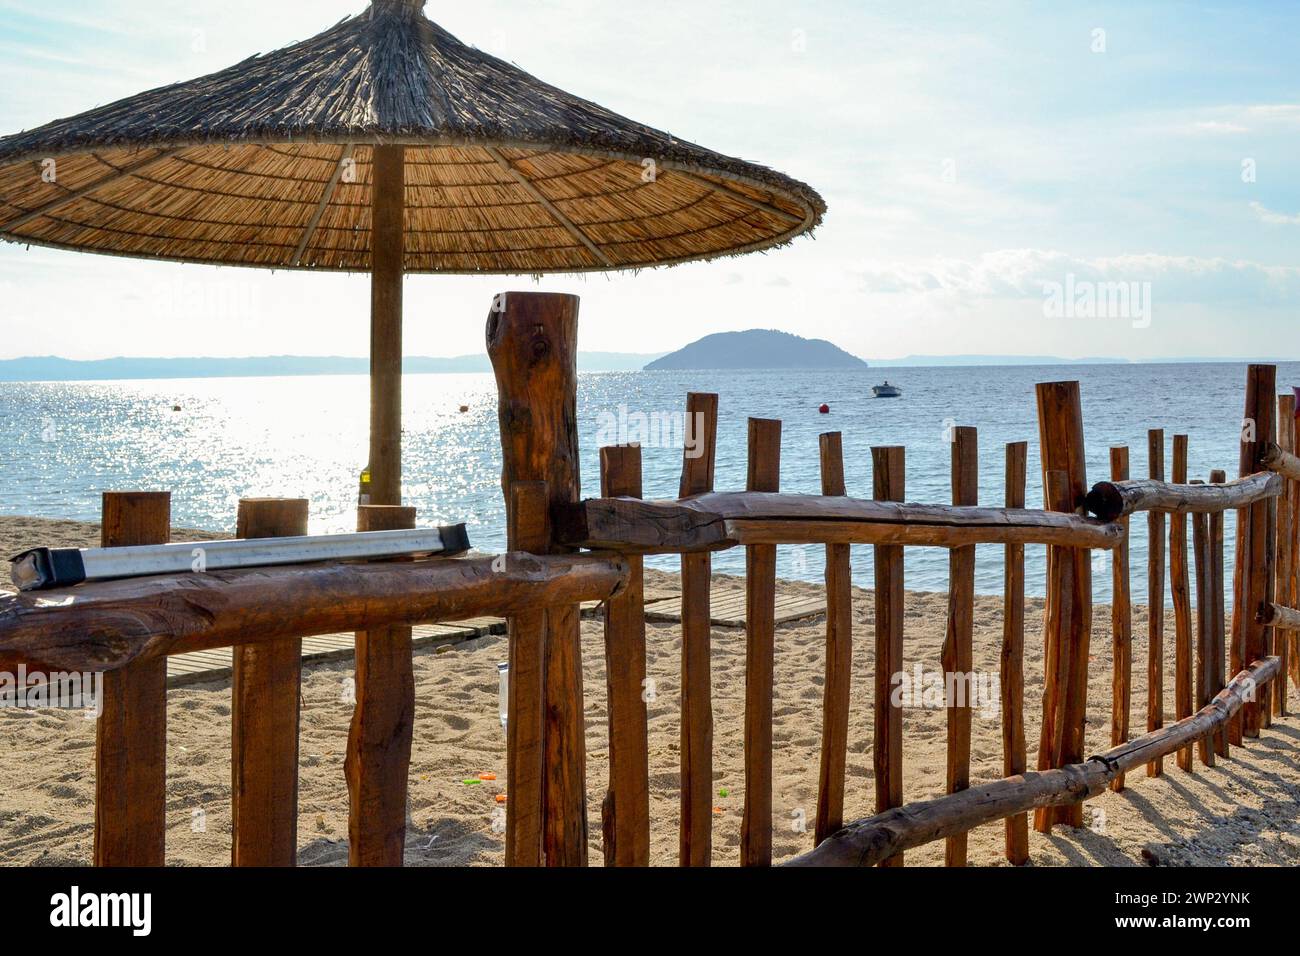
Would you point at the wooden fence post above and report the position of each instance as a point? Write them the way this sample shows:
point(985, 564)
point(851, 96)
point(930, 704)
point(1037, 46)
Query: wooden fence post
point(696, 832)
point(839, 656)
point(1289, 587)
point(1156, 599)
point(1204, 628)
point(889, 474)
point(1060, 418)
point(264, 722)
point(1121, 625)
point(760, 649)
point(1219, 622)
point(131, 733)
point(1014, 758)
point(532, 340)
point(1180, 589)
point(626, 811)
point(1286, 556)
point(1254, 559)
point(529, 532)
point(958, 647)
point(378, 761)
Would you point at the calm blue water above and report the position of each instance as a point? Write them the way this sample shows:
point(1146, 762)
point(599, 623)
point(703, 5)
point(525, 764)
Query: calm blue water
point(61, 444)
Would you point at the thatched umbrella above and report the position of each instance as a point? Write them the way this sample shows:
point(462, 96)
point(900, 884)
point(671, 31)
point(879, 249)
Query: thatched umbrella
point(386, 145)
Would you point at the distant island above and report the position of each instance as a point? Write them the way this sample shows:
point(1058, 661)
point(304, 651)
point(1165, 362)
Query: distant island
point(54, 369)
point(757, 348)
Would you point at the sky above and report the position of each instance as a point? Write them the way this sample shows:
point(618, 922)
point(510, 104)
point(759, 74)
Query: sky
point(1013, 178)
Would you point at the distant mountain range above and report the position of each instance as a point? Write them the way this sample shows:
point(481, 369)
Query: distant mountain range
point(52, 369)
point(720, 352)
point(757, 348)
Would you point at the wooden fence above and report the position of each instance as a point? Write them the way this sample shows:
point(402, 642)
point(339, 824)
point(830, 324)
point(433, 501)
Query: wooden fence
point(564, 550)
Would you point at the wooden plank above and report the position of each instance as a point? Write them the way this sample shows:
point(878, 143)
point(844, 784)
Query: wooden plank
point(265, 689)
point(1218, 623)
point(696, 836)
point(1121, 626)
point(1012, 669)
point(958, 647)
point(1204, 625)
point(728, 609)
point(215, 665)
point(889, 477)
point(1061, 434)
point(1156, 599)
point(626, 810)
point(839, 656)
point(1180, 590)
point(529, 530)
point(760, 650)
point(533, 344)
point(1255, 559)
point(131, 733)
point(378, 760)
point(388, 251)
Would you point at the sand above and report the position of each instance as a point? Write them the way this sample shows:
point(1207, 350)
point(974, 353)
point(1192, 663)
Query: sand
point(1245, 812)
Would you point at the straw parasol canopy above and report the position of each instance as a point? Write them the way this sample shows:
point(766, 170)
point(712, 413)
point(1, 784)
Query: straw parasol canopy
point(385, 145)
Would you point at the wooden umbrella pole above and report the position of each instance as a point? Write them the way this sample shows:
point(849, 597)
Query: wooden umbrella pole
point(388, 237)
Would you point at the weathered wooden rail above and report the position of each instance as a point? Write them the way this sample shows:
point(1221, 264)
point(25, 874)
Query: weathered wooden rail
point(564, 550)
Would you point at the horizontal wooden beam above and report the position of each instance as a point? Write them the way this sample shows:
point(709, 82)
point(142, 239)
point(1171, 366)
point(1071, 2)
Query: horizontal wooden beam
point(868, 842)
point(104, 627)
point(1283, 618)
point(717, 521)
point(1114, 500)
point(1282, 462)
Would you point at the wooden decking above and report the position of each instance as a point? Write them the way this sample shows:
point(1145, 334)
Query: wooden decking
point(662, 607)
point(727, 609)
point(216, 665)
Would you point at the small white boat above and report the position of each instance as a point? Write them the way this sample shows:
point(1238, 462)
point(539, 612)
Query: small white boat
point(887, 391)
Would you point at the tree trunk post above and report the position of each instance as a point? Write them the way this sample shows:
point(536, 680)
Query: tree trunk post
point(532, 339)
point(378, 762)
point(1254, 560)
point(1060, 420)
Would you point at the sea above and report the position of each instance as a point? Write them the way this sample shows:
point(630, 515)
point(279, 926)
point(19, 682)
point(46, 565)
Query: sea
point(212, 441)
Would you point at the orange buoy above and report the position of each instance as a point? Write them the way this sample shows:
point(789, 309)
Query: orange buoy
point(501, 798)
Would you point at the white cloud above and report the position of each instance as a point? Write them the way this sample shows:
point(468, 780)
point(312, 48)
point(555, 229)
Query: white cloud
point(1019, 273)
point(1277, 218)
point(1213, 126)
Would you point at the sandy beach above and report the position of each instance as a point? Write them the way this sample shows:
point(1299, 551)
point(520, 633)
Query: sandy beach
point(1244, 812)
